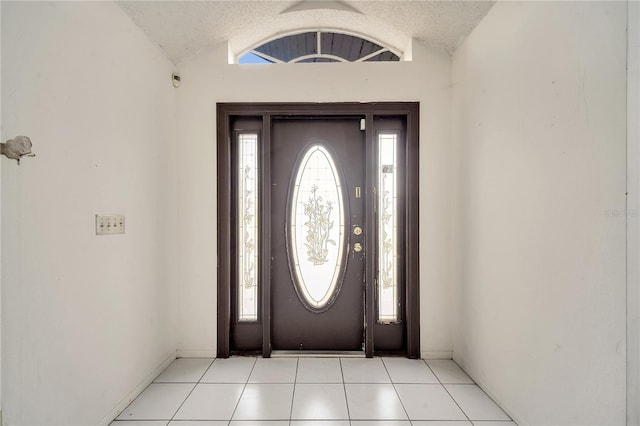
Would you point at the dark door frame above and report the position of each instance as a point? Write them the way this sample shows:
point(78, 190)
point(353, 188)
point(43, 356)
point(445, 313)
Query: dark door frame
point(225, 113)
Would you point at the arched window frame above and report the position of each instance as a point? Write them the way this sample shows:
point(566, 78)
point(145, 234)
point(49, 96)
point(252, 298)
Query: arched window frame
point(384, 47)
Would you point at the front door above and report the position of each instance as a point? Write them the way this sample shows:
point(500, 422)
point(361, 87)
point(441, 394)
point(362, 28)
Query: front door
point(318, 228)
point(317, 234)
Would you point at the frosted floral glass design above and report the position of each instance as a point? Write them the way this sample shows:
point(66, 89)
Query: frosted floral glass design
point(317, 228)
point(247, 227)
point(388, 297)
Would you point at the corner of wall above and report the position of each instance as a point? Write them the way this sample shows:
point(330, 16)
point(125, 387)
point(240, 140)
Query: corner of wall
point(633, 209)
point(408, 51)
point(108, 418)
point(231, 55)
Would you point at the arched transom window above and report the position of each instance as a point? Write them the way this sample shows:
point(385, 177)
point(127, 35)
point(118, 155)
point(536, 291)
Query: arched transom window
point(319, 46)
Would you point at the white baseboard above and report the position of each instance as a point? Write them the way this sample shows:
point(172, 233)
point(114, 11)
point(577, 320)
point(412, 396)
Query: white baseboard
point(195, 354)
point(436, 354)
point(137, 391)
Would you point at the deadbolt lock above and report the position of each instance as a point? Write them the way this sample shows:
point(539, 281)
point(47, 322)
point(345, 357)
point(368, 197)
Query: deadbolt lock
point(357, 247)
point(357, 231)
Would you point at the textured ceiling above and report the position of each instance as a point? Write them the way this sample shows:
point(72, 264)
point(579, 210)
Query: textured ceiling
point(185, 28)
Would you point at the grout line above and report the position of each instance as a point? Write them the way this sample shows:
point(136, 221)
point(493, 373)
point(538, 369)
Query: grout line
point(447, 391)
point(192, 389)
point(293, 394)
point(482, 390)
point(432, 372)
point(206, 369)
point(490, 399)
point(291, 383)
point(456, 402)
point(344, 386)
point(395, 389)
point(465, 372)
point(255, 361)
point(351, 421)
point(473, 382)
point(185, 400)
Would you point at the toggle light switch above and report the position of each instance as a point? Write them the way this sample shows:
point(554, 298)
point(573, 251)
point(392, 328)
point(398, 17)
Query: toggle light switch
point(108, 224)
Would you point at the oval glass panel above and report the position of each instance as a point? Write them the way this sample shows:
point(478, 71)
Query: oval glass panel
point(316, 229)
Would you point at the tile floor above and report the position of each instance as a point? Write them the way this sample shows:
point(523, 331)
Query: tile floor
point(242, 391)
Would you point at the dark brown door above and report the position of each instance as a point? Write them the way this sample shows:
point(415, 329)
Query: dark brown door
point(317, 233)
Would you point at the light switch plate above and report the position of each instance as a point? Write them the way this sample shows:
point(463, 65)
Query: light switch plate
point(109, 224)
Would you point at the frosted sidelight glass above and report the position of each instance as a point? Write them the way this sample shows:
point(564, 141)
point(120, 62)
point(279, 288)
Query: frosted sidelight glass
point(247, 227)
point(388, 297)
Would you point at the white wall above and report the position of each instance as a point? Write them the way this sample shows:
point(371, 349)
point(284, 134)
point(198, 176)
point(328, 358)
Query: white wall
point(1, 227)
point(209, 79)
point(539, 123)
point(633, 216)
point(84, 319)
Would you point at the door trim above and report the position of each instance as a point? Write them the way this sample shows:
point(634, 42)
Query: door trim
point(225, 113)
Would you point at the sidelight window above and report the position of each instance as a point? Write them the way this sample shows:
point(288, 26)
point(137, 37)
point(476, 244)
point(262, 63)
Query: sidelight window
point(388, 291)
point(247, 223)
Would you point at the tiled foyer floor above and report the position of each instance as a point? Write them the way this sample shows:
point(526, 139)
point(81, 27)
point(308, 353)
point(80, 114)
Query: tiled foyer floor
point(242, 391)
